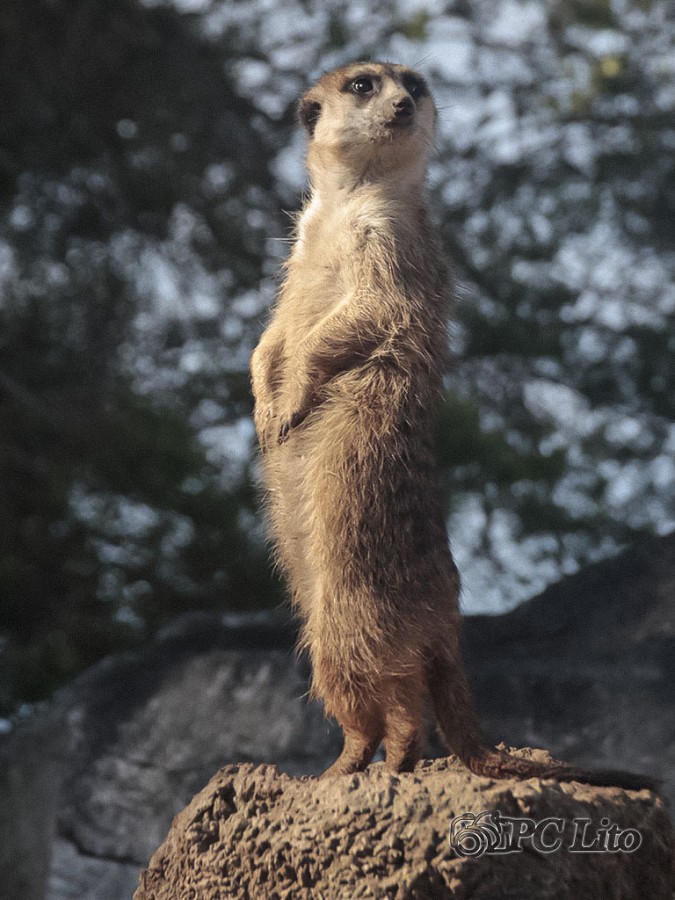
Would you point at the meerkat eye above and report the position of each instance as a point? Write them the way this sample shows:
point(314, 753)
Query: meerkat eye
point(414, 86)
point(363, 85)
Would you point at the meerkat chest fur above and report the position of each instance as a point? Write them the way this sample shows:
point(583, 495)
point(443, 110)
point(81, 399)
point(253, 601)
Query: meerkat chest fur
point(328, 264)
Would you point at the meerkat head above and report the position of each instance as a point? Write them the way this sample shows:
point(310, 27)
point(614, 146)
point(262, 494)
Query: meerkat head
point(369, 120)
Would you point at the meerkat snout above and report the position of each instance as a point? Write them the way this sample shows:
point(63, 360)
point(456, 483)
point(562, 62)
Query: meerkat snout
point(404, 111)
point(404, 106)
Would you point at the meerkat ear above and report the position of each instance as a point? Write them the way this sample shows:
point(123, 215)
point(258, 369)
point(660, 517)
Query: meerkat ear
point(309, 111)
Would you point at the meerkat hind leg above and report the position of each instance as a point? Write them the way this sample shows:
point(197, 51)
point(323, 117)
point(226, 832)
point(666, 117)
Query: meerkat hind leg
point(404, 720)
point(404, 747)
point(363, 732)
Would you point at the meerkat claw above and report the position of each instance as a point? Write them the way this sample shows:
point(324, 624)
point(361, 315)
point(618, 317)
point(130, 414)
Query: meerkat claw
point(286, 427)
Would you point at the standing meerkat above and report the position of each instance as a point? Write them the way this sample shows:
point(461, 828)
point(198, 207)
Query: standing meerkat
point(346, 380)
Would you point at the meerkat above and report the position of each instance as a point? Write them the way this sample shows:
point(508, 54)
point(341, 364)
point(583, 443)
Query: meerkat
point(346, 379)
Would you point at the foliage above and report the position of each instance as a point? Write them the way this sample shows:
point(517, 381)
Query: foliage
point(113, 519)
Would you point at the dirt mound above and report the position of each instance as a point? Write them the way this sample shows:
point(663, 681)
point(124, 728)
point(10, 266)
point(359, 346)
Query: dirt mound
point(253, 832)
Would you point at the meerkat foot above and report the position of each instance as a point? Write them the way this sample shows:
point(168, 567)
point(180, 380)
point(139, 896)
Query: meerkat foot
point(359, 749)
point(404, 756)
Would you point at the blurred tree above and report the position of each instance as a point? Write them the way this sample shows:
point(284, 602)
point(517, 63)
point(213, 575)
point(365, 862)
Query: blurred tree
point(112, 517)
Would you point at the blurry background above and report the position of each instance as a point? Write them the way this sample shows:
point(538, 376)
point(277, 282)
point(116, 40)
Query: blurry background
point(148, 160)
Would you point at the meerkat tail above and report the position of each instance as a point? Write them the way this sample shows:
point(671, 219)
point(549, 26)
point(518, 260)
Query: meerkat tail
point(494, 763)
point(458, 724)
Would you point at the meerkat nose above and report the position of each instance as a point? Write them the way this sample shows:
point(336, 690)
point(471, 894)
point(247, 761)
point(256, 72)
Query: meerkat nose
point(403, 106)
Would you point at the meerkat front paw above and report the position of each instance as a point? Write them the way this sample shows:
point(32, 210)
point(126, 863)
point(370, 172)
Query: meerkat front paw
point(295, 419)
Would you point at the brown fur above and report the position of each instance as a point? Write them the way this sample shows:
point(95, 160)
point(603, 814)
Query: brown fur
point(346, 380)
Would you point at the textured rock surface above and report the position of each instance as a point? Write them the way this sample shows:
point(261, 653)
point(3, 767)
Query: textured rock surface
point(253, 832)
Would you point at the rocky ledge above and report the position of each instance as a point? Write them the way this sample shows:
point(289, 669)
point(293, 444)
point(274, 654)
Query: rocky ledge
point(439, 832)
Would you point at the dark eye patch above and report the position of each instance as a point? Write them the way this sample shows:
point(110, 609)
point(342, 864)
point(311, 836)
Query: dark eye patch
point(415, 86)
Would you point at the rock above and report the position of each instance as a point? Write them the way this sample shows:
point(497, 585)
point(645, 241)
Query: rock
point(30, 776)
point(146, 730)
point(253, 832)
point(586, 669)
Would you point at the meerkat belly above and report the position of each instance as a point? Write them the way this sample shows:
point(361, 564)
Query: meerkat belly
point(375, 536)
point(365, 462)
